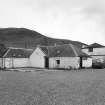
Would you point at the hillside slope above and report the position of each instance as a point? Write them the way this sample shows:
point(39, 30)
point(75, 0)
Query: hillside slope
point(22, 37)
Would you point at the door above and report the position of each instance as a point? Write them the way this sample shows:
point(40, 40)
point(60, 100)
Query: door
point(80, 62)
point(46, 62)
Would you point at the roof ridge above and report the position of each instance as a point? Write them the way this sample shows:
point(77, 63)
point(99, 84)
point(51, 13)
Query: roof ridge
point(52, 45)
point(19, 48)
point(74, 50)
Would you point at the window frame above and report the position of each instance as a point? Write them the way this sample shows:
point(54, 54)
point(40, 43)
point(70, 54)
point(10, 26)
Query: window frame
point(90, 50)
point(58, 62)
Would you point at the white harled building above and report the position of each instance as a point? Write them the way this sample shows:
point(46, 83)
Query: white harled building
point(65, 56)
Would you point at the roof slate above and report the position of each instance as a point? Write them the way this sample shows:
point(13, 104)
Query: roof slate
point(18, 53)
point(66, 50)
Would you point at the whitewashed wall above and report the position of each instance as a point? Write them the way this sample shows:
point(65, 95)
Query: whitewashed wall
point(7, 62)
point(16, 62)
point(65, 62)
point(96, 51)
point(37, 59)
point(0, 62)
point(87, 62)
point(21, 62)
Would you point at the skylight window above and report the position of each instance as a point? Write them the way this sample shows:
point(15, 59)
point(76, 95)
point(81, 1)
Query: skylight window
point(19, 55)
point(14, 55)
point(58, 51)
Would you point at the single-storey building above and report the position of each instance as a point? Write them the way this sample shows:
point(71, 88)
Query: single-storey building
point(16, 57)
point(96, 51)
point(65, 56)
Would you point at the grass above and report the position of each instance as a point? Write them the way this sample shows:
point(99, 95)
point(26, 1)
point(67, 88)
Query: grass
point(80, 87)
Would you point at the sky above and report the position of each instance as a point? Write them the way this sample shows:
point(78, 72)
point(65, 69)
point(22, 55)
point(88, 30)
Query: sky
point(78, 20)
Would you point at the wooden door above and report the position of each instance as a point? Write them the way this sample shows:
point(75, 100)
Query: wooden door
point(80, 62)
point(46, 62)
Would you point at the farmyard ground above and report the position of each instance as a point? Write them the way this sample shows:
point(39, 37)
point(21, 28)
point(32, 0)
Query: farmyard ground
point(82, 87)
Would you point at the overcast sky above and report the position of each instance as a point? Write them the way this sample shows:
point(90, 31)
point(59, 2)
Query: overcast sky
point(81, 20)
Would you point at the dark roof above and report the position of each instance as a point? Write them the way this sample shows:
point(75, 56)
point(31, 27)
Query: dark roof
point(18, 53)
point(66, 50)
point(44, 49)
point(94, 45)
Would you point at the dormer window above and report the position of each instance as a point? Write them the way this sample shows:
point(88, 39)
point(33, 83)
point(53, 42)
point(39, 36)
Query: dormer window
point(58, 51)
point(19, 55)
point(90, 50)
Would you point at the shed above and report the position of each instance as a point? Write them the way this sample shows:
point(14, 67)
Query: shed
point(60, 56)
point(17, 57)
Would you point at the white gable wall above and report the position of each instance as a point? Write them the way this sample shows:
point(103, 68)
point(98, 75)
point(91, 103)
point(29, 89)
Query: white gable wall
point(65, 62)
point(37, 59)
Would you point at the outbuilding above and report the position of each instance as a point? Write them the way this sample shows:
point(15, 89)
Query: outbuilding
point(97, 52)
point(65, 56)
point(16, 57)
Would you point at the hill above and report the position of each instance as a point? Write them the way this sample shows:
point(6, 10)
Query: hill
point(22, 37)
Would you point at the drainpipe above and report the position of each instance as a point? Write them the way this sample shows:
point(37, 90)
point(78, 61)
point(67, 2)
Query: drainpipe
point(2, 63)
point(48, 57)
point(48, 53)
point(12, 62)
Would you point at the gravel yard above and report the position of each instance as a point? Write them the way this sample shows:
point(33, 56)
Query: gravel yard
point(79, 87)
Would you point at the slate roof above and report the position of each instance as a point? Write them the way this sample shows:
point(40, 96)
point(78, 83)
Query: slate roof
point(94, 45)
point(66, 50)
point(18, 53)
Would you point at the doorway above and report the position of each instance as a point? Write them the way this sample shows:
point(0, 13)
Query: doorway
point(46, 62)
point(80, 62)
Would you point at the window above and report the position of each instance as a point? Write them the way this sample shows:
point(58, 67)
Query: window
point(19, 55)
point(58, 62)
point(90, 49)
point(58, 51)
